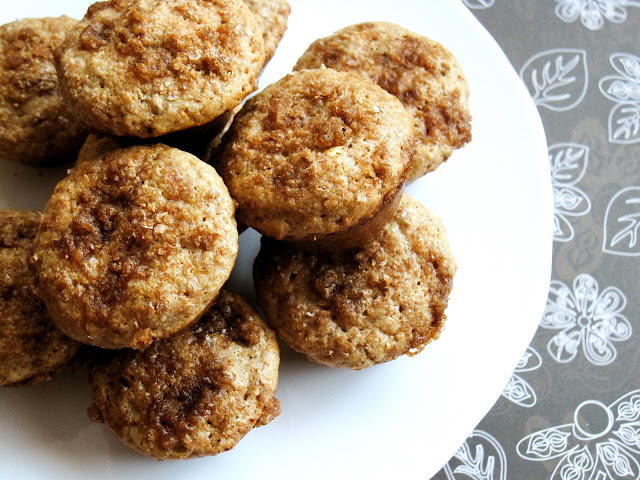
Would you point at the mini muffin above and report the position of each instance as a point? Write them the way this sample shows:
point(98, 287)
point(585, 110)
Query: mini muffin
point(365, 306)
point(318, 159)
point(149, 67)
point(32, 348)
point(195, 393)
point(36, 127)
point(272, 17)
point(198, 141)
point(134, 246)
point(423, 74)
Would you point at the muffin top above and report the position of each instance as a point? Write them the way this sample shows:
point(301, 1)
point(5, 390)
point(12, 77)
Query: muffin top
point(32, 348)
point(316, 153)
point(149, 67)
point(423, 74)
point(364, 306)
point(134, 245)
point(272, 17)
point(36, 127)
point(195, 393)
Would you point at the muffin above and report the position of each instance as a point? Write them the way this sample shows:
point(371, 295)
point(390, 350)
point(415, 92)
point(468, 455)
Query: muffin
point(36, 127)
point(149, 67)
point(134, 246)
point(195, 393)
point(364, 306)
point(198, 141)
point(318, 159)
point(423, 74)
point(32, 348)
point(272, 17)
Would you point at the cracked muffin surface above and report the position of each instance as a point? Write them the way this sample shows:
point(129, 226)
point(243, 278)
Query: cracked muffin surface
point(32, 348)
point(364, 306)
point(135, 245)
point(36, 126)
point(195, 393)
point(318, 158)
point(422, 73)
point(150, 67)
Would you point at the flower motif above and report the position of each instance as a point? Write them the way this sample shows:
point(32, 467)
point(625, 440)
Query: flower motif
point(480, 457)
point(586, 318)
point(624, 90)
point(592, 13)
point(518, 389)
point(603, 442)
point(568, 166)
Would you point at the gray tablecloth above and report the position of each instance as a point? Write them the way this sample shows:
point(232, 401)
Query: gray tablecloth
point(571, 409)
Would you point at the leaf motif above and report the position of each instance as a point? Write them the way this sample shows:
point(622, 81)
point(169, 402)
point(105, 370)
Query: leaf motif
point(519, 392)
point(622, 223)
point(624, 123)
point(562, 228)
point(627, 65)
point(479, 4)
point(557, 79)
point(568, 162)
point(530, 360)
point(546, 444)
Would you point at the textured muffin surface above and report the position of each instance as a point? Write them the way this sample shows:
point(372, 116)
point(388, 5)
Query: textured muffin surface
point(36, 127)
point(315, 154)
point(364, 306)
point(272, 17)
point(134, 245)
point(423, 74)
point(32, 348)
point(195, 393)
point(149, 67)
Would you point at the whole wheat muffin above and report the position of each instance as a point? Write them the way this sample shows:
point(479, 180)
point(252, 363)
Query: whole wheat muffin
point(36, 127)
point(134, 246)
point(318, 159)
point(195, 393)
point(423, 74)
point(272, 17)
point(149, 67)
point(364, 306)
point(32, 348)
point(198, 141)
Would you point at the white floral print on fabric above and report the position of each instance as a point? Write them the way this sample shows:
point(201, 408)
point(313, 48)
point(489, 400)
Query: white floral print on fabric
point(481, 457)
point(587, 319)
point(568, 166)
point(593, 13)
point(518, 389)
point(624, 90)
point(557, 79)
point(622, 223)
point(603, 442)
point(478, 4)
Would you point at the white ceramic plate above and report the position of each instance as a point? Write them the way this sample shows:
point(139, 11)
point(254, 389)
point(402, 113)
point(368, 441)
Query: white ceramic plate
point(403, 419)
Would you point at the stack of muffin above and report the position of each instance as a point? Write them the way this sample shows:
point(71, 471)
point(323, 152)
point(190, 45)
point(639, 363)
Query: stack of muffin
point(128, 262)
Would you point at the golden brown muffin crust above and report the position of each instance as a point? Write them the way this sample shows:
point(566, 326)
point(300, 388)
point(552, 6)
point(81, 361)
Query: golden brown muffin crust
point(315, 154)
point(32, 348)
point(195, 393)
point(135, 245)
point(149, 67)
point(272, 17)
point(364, 306)
point(36, 127)
point(422, 73)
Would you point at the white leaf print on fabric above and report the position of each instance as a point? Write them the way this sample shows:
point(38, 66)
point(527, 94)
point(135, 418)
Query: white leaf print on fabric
point(603, 442)
point(622, 223)
point(556, 79)
point(593, 13)
point(624, 90)
point(587, 319)
point(481, 457)
point(518, 390)
point(478, 4)
point(568, 165)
